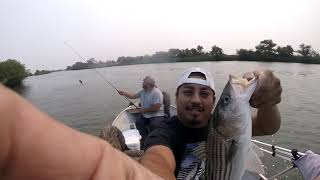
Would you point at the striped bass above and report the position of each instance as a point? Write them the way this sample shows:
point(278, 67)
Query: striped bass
point(230, 130)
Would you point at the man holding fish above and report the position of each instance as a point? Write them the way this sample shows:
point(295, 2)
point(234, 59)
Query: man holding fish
point(196, 144)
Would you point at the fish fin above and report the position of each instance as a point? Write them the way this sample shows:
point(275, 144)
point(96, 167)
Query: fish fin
point(203, 176)
point(253, 162)
point(231, 150)
point(256, 149)
point(247, 175)
point(200, 151)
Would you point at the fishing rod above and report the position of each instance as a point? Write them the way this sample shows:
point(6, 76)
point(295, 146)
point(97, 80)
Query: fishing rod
point(100, 75)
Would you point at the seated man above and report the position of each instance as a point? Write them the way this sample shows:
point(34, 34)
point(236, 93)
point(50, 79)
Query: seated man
point(151, 100)
point(167, 149)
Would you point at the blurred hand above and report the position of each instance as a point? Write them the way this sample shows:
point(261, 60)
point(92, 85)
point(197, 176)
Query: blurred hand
point(309, 165)
point(35, 146)
point(140, 110)
point(136, 110)
point(268, 90)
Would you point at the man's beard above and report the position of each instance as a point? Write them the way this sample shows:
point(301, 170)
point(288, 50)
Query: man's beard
point(144, 87)
point(198, 108)
point(195, 106)
point(194, 121)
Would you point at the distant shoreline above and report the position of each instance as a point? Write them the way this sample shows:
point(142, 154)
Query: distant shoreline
point(298, 59)
point(266, 51)
point(318, 63)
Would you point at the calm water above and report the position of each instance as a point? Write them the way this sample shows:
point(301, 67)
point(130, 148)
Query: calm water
point(93, 105)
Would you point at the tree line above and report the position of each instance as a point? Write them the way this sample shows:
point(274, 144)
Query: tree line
point(12, 72)
point(91, 63)
point(266, 51)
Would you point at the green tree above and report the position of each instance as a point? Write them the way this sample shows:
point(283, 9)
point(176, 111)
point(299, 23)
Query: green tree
point(216, 51)
point(185, 53)
point(305, 50)
point(285, 51)
point(41, 72)
point(174, 52)
point(247, 55)
point(91, 63)
point(146, 58)
point(315, 54)
point(265, 50)
point(194, 52)
point(12, 72)
point(200, 49)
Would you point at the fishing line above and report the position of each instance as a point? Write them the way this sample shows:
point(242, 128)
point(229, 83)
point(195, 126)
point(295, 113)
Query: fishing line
point(99, 74)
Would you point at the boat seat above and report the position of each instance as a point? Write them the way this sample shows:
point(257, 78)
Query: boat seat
point(132, 139)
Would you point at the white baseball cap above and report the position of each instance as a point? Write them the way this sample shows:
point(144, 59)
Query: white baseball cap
point(185, 78)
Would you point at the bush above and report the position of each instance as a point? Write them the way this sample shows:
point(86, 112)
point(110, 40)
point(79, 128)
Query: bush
point(12, 72)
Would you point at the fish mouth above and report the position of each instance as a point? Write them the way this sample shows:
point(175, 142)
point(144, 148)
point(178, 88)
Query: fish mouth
point(243, 83)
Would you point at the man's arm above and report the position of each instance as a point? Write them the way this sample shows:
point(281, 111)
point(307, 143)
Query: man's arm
point(266, 119)
point(154, 108)
point(128, 95)
point(160, 160)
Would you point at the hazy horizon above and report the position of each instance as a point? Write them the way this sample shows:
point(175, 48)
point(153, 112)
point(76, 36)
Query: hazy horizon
point(34, 31)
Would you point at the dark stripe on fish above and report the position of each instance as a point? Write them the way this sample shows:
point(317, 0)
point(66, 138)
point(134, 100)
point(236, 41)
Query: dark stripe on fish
point(230, 169)
point(218, 167)
point(221, 162)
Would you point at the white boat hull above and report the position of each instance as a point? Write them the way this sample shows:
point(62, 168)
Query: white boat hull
point(125, 121)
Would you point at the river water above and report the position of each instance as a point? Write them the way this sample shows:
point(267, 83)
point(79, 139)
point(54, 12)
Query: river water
point(94, 104)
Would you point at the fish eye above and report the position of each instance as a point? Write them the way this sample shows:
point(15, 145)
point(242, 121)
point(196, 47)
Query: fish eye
point(226, 99)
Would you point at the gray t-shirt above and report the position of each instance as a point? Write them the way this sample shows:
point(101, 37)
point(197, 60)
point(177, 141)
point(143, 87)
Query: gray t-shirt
point(150, 98)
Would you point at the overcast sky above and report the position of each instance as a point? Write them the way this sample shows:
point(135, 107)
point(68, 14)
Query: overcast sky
point(34, 31)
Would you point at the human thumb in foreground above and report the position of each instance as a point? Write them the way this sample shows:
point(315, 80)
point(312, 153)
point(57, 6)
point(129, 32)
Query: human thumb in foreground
point(35, 146)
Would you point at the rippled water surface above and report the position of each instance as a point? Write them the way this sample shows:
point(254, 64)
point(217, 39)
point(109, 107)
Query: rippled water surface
point(94, 104)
